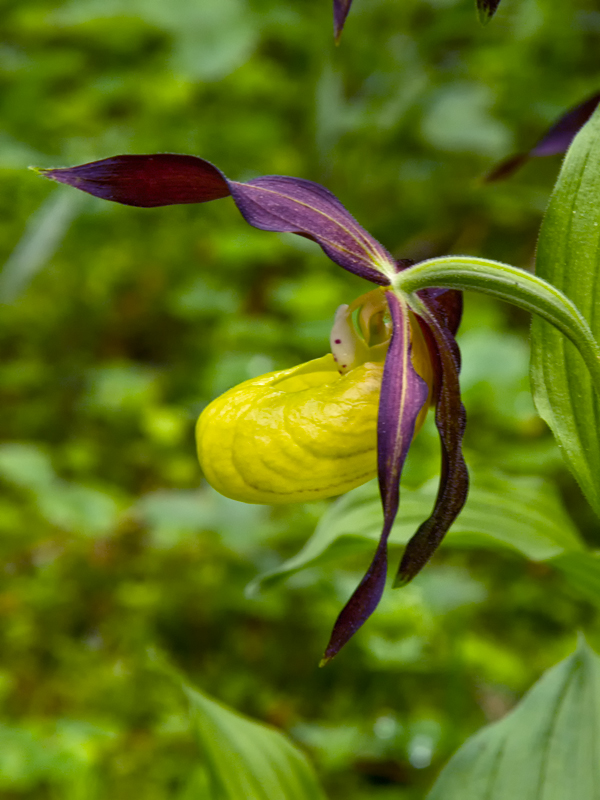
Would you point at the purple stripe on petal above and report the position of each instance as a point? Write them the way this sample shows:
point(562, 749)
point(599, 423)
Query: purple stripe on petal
point(294, 205)
point(155, 180)
point(556, 140)
point(403, 394)
point(340, 12)
point(450, 419)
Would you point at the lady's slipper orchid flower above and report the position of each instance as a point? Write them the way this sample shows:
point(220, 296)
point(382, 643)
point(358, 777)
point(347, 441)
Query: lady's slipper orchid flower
point(324, 427)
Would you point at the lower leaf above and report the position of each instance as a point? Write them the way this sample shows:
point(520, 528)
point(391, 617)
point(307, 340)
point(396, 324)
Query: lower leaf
point(547, 748)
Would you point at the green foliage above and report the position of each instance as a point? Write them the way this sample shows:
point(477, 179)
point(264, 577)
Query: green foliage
point(568, 256)
point(547, 747)
point(249, 760)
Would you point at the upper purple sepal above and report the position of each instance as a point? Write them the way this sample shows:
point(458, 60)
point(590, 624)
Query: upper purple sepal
point(272, 203)
point(294, 205)
point(146, 181)
point(556, 140)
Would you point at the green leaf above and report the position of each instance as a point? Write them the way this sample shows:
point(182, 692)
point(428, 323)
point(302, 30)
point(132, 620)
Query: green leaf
point(568, 256)
point(547, 748)
point(521, 513)
point(249, 760)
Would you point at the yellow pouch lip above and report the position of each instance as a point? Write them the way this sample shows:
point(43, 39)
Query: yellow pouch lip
point(304, 433)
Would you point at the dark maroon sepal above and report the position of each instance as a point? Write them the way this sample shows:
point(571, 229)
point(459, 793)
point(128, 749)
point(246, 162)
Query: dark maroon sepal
point(557, 140)
point(163, 179)
point(447, 305)
point(450, 419)
point(403, 395)
point(293, 205)
point(487, 9)
point(340, 12)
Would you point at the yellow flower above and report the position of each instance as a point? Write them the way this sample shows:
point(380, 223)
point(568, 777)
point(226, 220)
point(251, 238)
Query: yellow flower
point(309, 432)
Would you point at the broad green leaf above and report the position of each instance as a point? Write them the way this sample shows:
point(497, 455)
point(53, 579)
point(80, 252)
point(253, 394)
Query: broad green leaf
point(249, 760)
point(568, 256)
point(547, 748)
point(520, 513)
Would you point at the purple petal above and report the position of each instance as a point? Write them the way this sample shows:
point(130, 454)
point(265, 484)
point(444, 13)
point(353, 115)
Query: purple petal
point(273, 203)
point(447, 305)
point(556, 140)
point(340, 12)
point(450, 419)
point(293, 205)
point(562, 133)
point(156, 180)
point(487, 9)
point(403, 394)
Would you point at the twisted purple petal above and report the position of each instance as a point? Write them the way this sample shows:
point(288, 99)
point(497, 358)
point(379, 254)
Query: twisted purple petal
point(556, 140)
point(293, 205)
point(450, 419)
point(403, 394)
point(272, 203)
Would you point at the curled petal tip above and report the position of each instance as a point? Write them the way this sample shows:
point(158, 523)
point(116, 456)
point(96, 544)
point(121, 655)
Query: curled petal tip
point(340, 12)
point(325, 660)
point(400, 581)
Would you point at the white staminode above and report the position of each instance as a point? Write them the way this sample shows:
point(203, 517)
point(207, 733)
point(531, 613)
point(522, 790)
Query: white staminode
point(351, 347)
point(345, 341)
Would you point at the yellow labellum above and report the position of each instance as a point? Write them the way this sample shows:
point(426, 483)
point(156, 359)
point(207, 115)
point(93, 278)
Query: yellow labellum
point(300, 434)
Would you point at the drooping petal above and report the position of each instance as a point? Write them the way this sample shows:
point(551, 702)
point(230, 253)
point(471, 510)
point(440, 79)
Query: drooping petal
point(340, 12)
point(556, 140)
point(446, 305)
point(403, 395)
point(272, 203)
point(163, 179)
point(487, 9)
point(450, 420)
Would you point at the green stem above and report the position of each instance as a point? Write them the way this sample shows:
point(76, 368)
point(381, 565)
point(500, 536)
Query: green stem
point(513, 285)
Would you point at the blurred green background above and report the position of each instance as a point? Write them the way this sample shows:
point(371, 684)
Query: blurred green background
point(119, 325)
